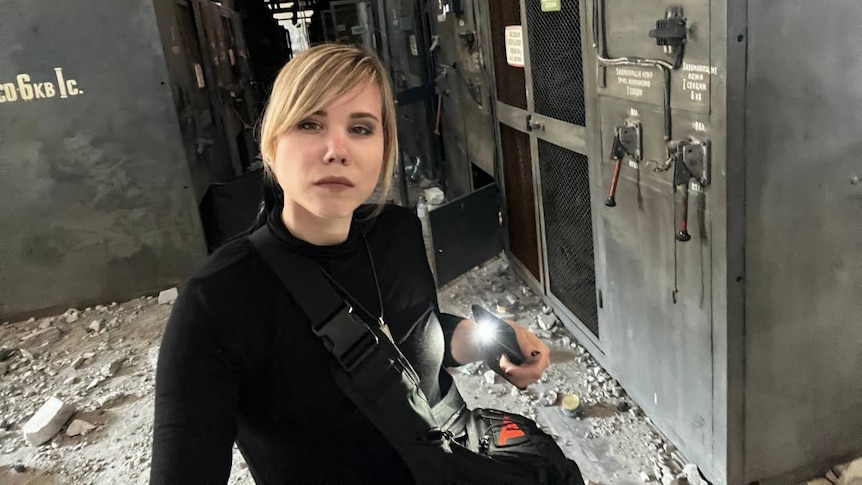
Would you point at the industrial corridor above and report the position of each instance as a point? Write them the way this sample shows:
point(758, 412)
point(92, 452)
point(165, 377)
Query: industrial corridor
point(662, 197)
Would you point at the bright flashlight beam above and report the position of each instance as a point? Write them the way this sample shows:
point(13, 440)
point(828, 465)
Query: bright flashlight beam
point(485, 332)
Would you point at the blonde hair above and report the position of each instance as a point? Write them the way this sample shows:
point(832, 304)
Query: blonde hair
point(315, 78)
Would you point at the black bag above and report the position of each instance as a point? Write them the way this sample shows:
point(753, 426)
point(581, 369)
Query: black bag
point(513, 439)
point(440, 444)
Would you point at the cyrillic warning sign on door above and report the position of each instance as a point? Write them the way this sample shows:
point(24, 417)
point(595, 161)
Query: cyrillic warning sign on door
point(514, 46)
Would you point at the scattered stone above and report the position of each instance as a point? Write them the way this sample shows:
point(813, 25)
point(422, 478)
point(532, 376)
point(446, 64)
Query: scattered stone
point(565, 341)
point(168, 296)
point(27, 355)
point(470, 369)
point(78, 362)
point(623, 406)
point(101, 308)
point(71, 380)
point(840, 469)
point(546, 321)
point(79, 427)
point(4, 368)
point(692, 474)
point(95, 382)
point(153, 356)
point(95, 326)
point(110, 369)
point(645, 477)
point(45, 323)
point(852, 475)
point(19, 468)
point(830, 475)
point(490, 377)
point(5, 354)
point(47, 421)
point(549, 398)
point(71, 317)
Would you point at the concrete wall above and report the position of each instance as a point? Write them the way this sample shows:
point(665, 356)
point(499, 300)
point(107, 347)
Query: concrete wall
point(95, 196)
point(803, 307)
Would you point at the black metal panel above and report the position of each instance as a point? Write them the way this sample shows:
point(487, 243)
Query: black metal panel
point(510, 81)
point(556, 61)
point(466, 232)
point(569, 230)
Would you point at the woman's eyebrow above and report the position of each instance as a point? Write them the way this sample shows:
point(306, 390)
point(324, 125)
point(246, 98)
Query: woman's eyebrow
point(363, 115)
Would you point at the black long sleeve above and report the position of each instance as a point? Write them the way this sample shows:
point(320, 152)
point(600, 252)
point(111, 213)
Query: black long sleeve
point(239, 363)
point(197, 395)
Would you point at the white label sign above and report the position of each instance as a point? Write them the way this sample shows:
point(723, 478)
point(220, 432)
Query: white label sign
point(514, 46)
point(23, 87)
point(414, 48)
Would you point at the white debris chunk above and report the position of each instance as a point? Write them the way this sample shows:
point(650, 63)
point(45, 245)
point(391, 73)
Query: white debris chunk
point(434, 196)
point(95, 382)
point(71, 316)
point(852, 475)
point(547, 322)
point(153, 356)
point(692, 475)
point(470, 369)
point(111, 369)
point(644, 476)
point(490, 377)
point(47, 421)
point(79, 427)
point(168, 296)
point(95, 325)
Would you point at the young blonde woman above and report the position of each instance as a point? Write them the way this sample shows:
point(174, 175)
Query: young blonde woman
point(239, 362)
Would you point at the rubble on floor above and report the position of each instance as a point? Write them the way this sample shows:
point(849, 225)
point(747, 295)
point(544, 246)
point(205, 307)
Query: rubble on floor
point(99, 363)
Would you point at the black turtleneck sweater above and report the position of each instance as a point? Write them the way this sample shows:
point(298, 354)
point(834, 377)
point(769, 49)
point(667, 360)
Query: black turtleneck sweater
point(239, 362)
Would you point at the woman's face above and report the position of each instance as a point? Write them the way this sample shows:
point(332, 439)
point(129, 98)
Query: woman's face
point(330, 162)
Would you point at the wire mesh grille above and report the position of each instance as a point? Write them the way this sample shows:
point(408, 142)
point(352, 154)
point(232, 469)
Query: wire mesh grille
point(511, 84)
point(556, 62)
point(520, 198)
point(569, 230)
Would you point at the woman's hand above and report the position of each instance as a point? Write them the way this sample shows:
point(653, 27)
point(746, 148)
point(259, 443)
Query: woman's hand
point(537, 358)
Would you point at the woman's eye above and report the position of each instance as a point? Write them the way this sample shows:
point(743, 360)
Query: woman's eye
point(362, 130)
point(309, 125)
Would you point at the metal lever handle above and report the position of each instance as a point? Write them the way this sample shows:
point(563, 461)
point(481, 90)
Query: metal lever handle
point(611, 200)
point(534, 125)
point(618, 152)
point(683, 235)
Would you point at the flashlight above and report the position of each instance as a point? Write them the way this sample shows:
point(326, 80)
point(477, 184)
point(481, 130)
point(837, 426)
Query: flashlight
point(495, 338)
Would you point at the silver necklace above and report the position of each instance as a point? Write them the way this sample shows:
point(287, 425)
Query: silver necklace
point(380, 322)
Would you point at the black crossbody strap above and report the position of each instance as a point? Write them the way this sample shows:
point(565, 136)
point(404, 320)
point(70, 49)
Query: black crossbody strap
point(347, 338)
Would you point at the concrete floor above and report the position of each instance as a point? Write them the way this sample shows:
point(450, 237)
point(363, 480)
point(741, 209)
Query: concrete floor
point(101, 361)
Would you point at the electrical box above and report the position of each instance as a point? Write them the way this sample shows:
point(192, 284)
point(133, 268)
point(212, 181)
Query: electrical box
point(700, 215)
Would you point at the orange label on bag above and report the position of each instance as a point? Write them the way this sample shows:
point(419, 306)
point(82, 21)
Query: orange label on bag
point(509, 431)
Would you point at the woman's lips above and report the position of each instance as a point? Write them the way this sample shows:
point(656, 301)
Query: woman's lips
point(334, 183)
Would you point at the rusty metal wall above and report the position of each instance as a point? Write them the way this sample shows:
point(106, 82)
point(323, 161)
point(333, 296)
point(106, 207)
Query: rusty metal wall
point(96, 200)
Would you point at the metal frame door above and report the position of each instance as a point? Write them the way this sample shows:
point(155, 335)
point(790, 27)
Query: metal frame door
point(563, 170)
point(515, 173)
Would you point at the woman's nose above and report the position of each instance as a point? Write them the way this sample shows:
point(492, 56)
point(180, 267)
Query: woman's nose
point(336, 149)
